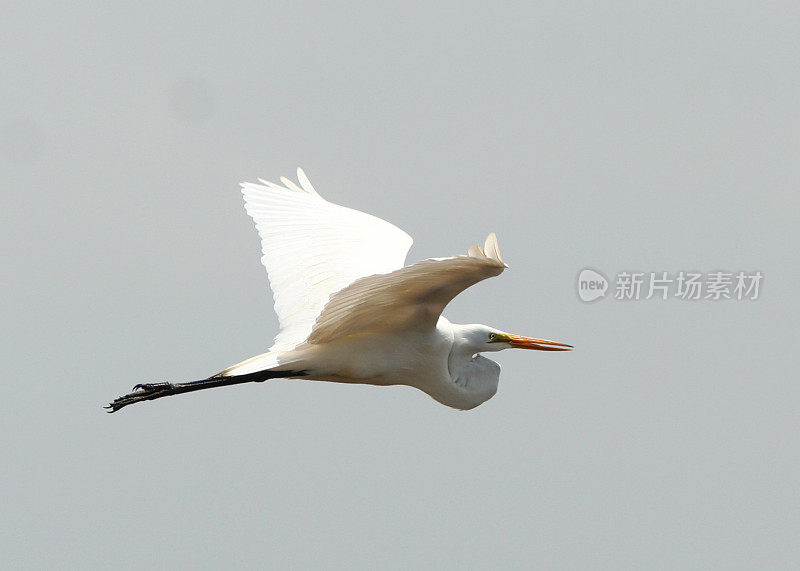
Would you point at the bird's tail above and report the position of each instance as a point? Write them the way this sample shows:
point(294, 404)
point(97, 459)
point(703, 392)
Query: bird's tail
point(265, 362)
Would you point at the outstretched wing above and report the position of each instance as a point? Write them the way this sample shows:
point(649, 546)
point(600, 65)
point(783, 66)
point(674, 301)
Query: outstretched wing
point(411, 297)
point(313, 248)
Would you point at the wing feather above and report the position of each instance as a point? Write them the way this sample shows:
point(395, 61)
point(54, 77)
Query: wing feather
point(410, 297)
point(313, 248)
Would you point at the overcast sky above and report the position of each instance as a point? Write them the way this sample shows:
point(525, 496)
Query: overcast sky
point(610, 136)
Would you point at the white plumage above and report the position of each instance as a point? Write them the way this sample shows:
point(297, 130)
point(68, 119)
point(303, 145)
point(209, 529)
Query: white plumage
point(313, 248)
point(350, 312)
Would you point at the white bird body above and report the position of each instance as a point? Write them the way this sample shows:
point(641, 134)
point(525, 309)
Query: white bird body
point(349, 311)
point(429, 360)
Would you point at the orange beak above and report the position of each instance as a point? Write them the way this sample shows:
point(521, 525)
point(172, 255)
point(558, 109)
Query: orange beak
point(520, 342)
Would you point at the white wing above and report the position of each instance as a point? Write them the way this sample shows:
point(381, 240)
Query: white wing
point(409, 298)
point(313, 248)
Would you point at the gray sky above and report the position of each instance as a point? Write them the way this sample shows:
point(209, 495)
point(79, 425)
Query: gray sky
point(612, 136)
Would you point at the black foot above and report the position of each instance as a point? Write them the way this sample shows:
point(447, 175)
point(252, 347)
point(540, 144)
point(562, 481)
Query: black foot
point(141, 392)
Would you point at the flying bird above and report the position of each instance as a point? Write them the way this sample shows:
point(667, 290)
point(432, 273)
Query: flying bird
point(350, 312)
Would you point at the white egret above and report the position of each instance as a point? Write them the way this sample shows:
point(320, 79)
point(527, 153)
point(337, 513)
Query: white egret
point(349, 311)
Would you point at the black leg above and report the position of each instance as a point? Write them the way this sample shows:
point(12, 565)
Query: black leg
point(151, 391)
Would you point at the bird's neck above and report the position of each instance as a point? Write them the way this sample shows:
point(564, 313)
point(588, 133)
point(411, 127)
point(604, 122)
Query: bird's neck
point(474, 377)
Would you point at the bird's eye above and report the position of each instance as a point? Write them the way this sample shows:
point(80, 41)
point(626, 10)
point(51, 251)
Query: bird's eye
point(492, 336)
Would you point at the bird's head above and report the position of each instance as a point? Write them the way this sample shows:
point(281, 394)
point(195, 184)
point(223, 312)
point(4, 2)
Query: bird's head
point(481, 338)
